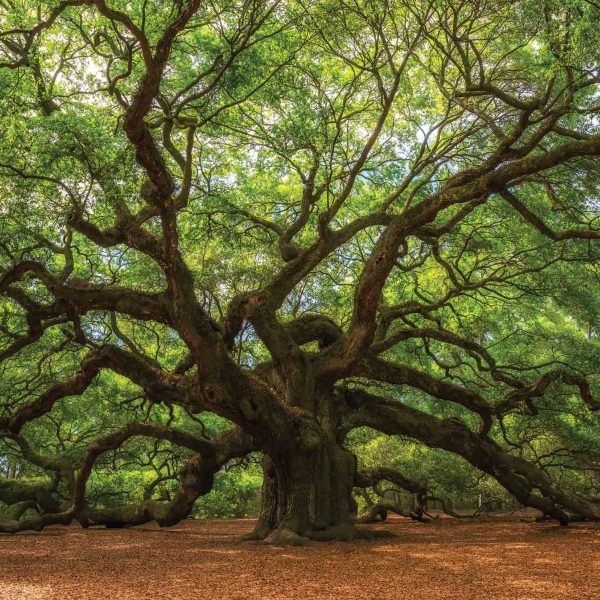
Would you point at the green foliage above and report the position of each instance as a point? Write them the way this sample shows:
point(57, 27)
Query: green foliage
point(303, 97)
point(235, 494)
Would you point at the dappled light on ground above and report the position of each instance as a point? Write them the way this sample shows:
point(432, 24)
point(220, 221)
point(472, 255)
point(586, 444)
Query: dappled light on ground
point(202, 559)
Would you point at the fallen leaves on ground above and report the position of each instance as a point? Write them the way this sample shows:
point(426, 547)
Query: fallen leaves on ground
point(457, 559)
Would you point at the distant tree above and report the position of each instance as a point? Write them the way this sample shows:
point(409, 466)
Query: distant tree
point(305, 217)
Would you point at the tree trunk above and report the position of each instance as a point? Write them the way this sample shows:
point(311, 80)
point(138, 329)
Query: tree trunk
point(308, 495)
point(307, 488)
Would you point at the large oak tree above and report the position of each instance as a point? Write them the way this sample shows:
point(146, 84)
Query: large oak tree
point(296, 215)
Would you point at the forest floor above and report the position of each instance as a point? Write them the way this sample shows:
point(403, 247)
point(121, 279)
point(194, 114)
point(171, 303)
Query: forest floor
point(492, 558)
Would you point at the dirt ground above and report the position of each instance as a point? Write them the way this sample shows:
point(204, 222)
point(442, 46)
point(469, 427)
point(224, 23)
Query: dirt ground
point(201, 559)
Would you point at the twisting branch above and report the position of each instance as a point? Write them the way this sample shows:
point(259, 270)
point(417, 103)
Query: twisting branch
point(158, 385)
point(529, 485)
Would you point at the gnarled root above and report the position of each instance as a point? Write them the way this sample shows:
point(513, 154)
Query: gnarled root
point(344, 532)
point(286, 537)
point(348, 532)
point(259, 533)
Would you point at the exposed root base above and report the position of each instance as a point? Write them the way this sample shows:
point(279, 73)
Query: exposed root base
point(347, 533)
point(286, 537)
point(258, 534)
point(339, 533)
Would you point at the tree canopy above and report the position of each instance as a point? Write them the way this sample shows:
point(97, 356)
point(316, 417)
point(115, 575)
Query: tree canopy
point(339, 238)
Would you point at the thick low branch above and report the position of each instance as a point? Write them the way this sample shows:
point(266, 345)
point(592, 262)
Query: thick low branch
point(195, 479)
point(158, 384)
point(40, 494)
point(526, 482)
point(371, 477)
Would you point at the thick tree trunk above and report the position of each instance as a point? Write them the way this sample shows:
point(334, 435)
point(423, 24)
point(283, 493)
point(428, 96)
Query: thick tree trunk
point(307, 489)
point(308, 495)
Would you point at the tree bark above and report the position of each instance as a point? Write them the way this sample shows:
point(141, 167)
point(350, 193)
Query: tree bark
point(308, 482)
point(308, 496)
